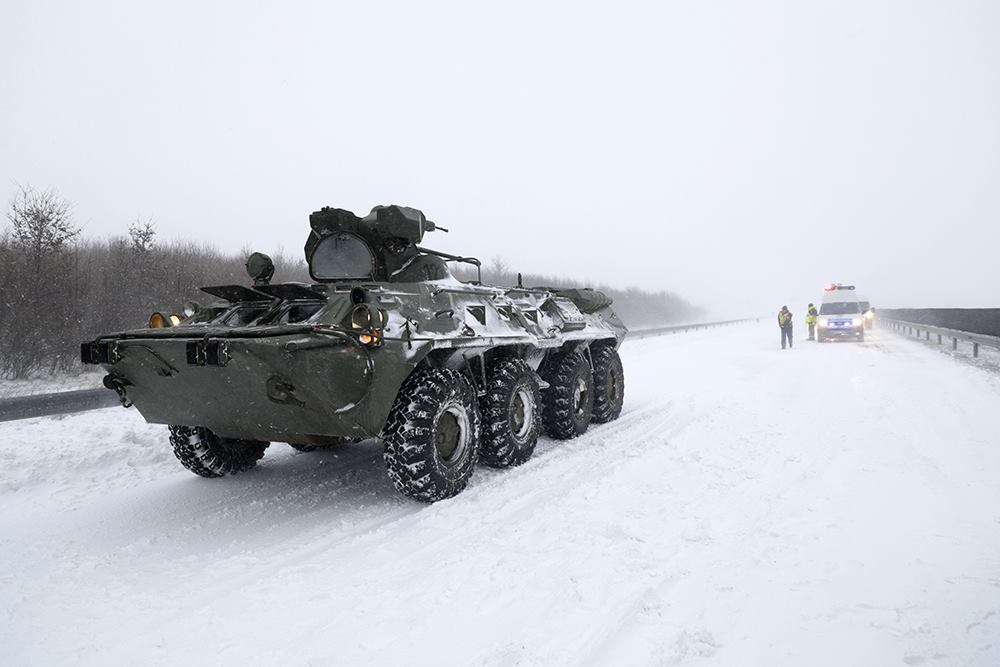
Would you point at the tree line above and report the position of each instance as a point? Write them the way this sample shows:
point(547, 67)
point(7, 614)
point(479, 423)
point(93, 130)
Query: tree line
point(58, 288)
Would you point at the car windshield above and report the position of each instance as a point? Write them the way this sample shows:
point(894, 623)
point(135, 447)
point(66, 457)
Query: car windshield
point(342, 257)
point(840, 308)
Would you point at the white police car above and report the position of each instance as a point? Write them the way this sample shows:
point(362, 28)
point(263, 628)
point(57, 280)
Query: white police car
point(840, 314)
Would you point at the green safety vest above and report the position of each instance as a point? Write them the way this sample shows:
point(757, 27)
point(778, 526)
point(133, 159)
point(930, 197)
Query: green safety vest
point(811, 316)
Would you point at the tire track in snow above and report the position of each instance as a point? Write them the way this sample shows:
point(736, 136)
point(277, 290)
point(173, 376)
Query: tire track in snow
point(648, 426)
point(183, 522)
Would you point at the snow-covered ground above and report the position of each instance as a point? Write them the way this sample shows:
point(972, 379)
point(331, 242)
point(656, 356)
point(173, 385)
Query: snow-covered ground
point(829, 505)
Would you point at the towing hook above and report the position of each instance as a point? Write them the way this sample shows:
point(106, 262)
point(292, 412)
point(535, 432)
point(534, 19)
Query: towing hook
point(118, 384)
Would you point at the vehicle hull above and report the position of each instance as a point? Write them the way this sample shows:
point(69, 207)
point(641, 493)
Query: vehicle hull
point(290, 388)
point(317, 382)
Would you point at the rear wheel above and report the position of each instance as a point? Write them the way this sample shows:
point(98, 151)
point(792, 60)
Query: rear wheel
point(511, 414)
point(609, 384)
point(568, 403)
point(207, 455)
point(432, 435)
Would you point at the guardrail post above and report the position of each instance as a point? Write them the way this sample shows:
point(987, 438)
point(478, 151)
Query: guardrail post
point(954, 343)
point(928, 335)
point(975, 349)
point(939, 339)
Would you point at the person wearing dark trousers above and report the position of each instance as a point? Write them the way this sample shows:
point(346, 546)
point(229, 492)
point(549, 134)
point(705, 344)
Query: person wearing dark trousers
point(785, 324)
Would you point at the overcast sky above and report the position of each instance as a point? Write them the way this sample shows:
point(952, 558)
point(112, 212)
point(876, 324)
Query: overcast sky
point(740, 154)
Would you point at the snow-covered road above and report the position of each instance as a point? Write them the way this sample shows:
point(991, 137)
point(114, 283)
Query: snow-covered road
point(829, 505)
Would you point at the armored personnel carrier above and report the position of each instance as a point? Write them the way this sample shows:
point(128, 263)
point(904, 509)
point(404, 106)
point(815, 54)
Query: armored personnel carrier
point(384, 343)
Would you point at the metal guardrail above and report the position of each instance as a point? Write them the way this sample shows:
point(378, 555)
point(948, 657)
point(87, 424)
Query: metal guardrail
point(63, 402)
point(83, 400)
point(680, 328)
point(916, 329)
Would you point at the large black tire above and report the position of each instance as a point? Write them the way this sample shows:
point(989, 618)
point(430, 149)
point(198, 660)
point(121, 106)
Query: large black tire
point(314, 448)
point(609, 384)
point(568, 403)
point(511, 411)
point(206, 454)
point(432, 435)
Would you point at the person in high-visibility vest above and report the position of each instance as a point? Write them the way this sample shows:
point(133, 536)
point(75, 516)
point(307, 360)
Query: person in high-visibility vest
point(785, 323)
point(811, 314)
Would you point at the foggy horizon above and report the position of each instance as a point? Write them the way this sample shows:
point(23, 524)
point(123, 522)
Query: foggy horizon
point(739, 157)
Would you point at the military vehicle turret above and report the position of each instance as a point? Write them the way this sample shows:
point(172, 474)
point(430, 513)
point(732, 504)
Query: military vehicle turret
point(384, 343)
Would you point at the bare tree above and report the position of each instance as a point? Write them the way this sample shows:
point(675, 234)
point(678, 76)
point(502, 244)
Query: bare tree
point(142, 234)
point(42, 224)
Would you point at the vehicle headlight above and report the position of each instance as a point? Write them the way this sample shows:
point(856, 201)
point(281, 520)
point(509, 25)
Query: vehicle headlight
point(160, 321)
point(369, 322)
point(823, 321)
point(869, 315)
point(856, 321)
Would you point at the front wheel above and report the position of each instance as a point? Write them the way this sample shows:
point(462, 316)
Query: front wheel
point(432, 435)
point(205, 454)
